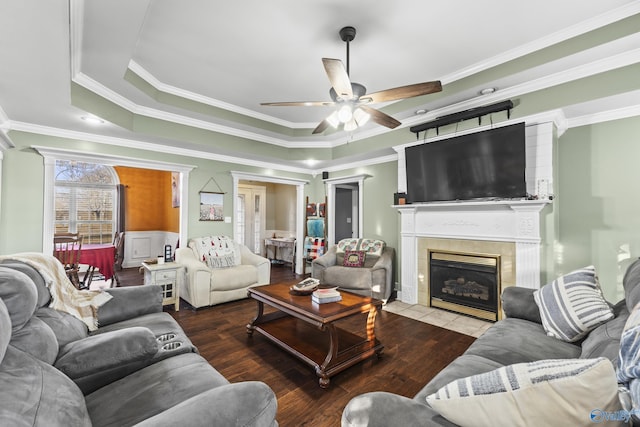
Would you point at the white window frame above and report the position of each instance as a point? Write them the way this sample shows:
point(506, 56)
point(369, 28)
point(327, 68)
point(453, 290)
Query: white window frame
point(75, 185)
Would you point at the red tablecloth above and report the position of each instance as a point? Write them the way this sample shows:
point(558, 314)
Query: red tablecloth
point(100, 256)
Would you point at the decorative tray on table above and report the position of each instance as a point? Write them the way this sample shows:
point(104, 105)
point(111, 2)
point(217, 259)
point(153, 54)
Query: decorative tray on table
point(306, 287)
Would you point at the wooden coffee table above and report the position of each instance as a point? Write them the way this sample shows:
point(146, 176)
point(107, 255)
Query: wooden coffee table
point(308, 330)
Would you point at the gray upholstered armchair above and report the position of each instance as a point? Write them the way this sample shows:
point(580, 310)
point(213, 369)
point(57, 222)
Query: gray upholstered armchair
point(367, 271)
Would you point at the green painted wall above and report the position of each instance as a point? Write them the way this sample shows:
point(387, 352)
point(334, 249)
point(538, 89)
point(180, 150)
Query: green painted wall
point(21, 215)
point(593, 220)
point(22, 202)
point(598, 202)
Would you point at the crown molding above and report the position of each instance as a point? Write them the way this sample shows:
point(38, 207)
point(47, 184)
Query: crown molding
point(550, 40)
point(76, 40)
point(109, 159)
point(547, 41)
point(76, 31)
point(150, 146)
point(5, 141)
point(183, 93)
point(565, 76)
point(5, 127)
point(604, 116)
point(267, 178)
point(119, 100)
point(556, 117)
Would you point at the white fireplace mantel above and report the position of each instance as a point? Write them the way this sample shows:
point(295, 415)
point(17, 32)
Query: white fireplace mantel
point(516, 221)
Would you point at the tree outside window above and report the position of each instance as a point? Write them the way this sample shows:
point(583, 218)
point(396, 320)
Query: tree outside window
point(85, 200)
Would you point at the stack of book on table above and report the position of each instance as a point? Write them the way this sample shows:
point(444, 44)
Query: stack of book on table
point(325, 295)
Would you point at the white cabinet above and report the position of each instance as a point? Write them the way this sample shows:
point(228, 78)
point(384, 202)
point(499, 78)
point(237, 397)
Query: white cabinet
point(168, 275)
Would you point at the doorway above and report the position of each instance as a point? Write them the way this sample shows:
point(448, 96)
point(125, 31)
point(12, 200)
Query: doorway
point(299, 215)
point(351, 206)
point(251, 216)
point(346, 211)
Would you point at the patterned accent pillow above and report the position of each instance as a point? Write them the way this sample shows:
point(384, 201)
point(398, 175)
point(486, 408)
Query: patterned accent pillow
point(371, 246)
point(628, 371)
point(572, 305)
point(347, 245)
point(353, 259)
point(546, 392)
point(220, 261)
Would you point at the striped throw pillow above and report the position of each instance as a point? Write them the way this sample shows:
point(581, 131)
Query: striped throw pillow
point(572, 305)
point(628, 370)
point(544, 393)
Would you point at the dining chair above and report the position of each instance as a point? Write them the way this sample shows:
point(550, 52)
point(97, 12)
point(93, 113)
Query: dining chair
point(67, 248)
point(118, 243)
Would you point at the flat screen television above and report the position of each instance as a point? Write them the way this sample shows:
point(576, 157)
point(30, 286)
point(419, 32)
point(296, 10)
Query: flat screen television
point(482, 165)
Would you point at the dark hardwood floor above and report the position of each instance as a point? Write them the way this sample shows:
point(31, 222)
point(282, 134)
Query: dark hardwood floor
point(414, 352)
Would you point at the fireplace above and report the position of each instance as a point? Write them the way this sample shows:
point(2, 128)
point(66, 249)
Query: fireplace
point(466, 283)
point(509, 228)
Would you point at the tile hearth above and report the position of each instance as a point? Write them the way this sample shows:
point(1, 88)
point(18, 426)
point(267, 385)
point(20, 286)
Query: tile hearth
point(437, 317)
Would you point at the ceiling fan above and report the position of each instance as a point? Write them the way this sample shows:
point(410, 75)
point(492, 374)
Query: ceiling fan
point(352, 99)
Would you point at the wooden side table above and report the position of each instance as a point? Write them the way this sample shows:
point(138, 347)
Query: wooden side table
point(170, 276)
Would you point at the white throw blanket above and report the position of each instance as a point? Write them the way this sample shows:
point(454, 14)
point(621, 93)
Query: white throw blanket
point(65, 296)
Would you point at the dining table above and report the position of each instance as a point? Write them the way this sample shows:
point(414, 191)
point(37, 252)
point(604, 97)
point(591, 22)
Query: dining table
point(98, 256)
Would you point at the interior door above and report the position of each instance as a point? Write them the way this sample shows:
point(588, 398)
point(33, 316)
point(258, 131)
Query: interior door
point(251, 216)
point(346, 212)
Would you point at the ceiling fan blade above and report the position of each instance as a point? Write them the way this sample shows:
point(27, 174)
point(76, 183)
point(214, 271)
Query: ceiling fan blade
point(338, 77)
point(321, 127)
point(300, 104)
point(381, 118)
point(403, 92)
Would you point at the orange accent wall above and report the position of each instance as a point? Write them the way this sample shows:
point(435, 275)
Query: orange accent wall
point(148, 198)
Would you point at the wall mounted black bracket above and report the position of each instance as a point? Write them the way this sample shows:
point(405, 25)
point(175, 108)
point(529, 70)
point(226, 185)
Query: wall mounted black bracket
point(463, 115)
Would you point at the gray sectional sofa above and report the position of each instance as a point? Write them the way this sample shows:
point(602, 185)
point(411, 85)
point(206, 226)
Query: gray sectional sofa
point(137, 368)
point(518, 338)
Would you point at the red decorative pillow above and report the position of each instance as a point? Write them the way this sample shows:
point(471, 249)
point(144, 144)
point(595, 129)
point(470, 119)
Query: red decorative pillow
point(353, 258)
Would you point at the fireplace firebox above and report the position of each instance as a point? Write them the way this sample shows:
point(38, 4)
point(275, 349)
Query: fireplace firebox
point(465, 283)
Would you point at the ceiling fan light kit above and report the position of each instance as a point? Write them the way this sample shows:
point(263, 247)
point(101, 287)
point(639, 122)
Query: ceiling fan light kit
point(345, 114)
point(351, 99)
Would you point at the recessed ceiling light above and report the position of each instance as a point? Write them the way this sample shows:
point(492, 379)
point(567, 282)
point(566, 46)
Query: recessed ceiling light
point(93, 120)
point(487, 90)
point(420, 111)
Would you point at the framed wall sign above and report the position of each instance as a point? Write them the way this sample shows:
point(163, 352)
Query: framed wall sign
point(211, 206)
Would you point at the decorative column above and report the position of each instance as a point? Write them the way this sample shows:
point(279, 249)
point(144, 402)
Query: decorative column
point(527, 241)
point(409, 260)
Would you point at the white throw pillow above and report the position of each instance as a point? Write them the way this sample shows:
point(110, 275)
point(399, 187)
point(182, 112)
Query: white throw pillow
point(567, 392)
point(216, 251)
